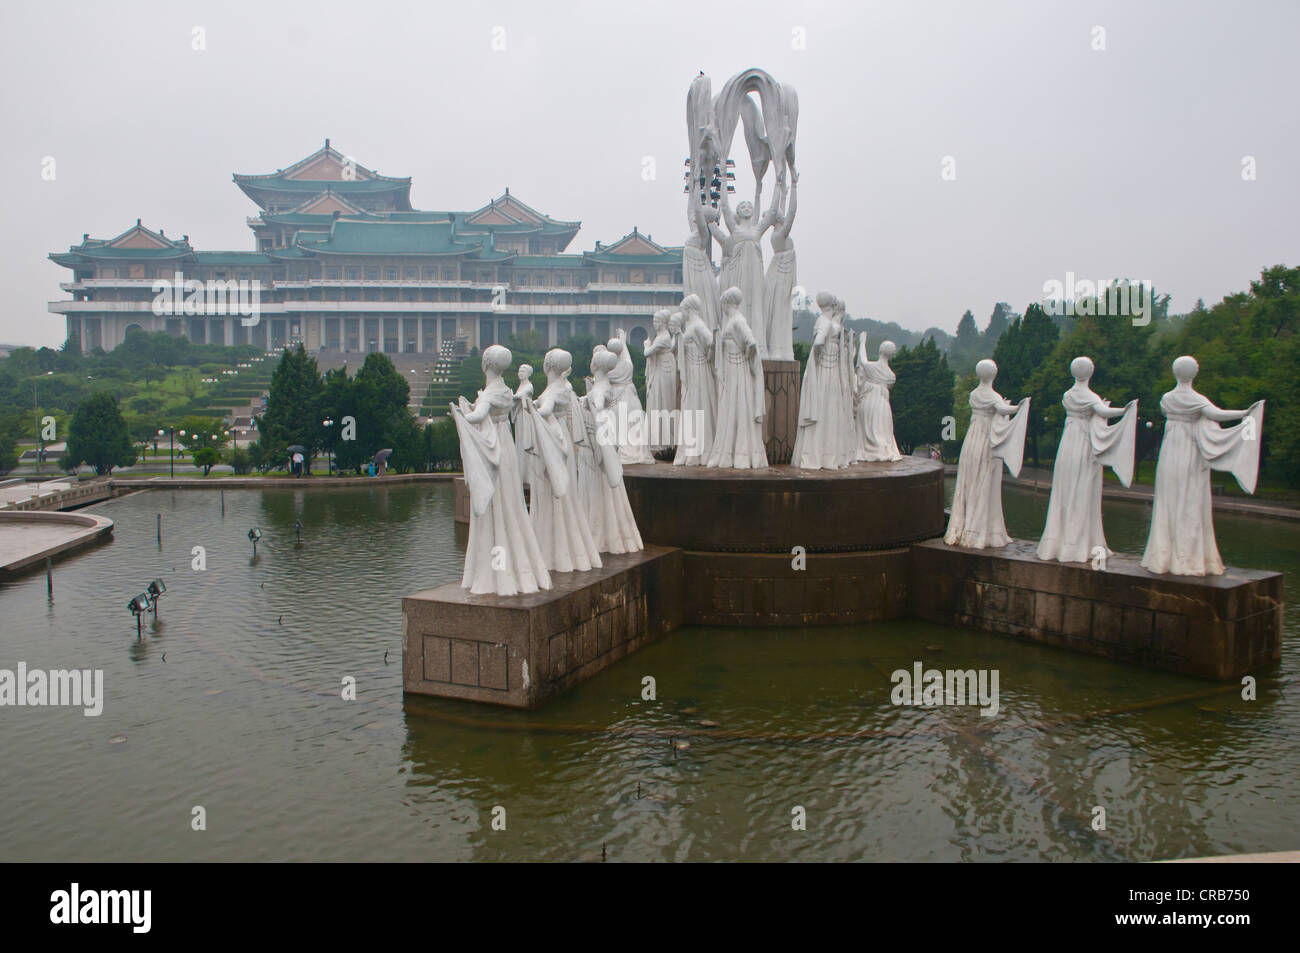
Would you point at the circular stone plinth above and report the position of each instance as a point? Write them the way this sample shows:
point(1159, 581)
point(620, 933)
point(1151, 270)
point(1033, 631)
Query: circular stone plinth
point(865, 506)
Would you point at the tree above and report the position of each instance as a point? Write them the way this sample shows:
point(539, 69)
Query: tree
point(293, 404)
point(922, 398)
point(207, 458)
point(1025, 348)
point(240, 461)
point(98, 435)
point(964, 351)
point(999, 321)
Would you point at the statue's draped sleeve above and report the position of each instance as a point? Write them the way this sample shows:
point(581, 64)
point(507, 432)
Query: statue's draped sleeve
point(1114, 444)
point(1007, 435)
point(1234, 449)
point(480, 454)
point(548, 435)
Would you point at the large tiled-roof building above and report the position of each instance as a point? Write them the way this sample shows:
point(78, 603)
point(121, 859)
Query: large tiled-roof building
point(343, 263)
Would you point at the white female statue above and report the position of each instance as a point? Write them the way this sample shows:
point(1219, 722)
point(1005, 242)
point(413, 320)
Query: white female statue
point(698, 277)
point(634, 448)
point(619, 533)
point(1073, 532)
point(996, 436)
point(742, 262)
point(560, 521)
point(590, 471)
point(875, 421)
point(1182, 540)
point(661, 384)
point(523, 423)
point(826, 438)
point(780, 281)
point(699, 387)
point(738, 436)
point(502, 556)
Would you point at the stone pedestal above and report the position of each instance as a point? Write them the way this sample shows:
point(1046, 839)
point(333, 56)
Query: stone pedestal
point(1219, 627)
point(518, 651)
point(781, 382)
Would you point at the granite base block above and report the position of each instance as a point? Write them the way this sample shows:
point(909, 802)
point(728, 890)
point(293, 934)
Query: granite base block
point(1219, 627)
point(518, 651)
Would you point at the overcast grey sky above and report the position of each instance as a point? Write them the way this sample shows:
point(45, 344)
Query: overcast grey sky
point(1126, 161)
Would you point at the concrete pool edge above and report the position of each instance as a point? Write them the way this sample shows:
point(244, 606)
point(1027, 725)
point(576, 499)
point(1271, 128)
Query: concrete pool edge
point(74, 532)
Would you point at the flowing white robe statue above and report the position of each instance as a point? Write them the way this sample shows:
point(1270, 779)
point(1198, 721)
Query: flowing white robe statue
point(742, 263)
point(826, 439)
point(996, 437)
point(699, 389)
point(1073, 532)
point(634, 447)
point(590, 471)
point(875, 420)
point(560, 520)
point(698, 275)
point(779, 283)
point(1181, 539)
point(503, 556)
point(619, 533)
point(661, 386)
point(738, 436)
point(523, 424)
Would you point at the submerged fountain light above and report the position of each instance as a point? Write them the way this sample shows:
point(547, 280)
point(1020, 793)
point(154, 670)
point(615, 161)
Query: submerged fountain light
point(139, 606)
point(156, 589)
point(254, 535)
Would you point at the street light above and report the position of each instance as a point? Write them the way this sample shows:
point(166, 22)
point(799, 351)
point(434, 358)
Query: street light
point(40, 439)
point(329, 446)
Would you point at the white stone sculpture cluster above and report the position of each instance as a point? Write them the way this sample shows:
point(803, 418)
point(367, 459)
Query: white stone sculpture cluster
point(1181, 538)
point(845, 415)
point(769, 128)
point(578, 507)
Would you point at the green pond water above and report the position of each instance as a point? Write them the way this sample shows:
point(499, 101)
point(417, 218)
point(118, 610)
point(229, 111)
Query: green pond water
point(245, 718)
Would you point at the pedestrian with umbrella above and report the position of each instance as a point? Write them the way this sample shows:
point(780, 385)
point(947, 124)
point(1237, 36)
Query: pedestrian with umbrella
point(296, 458)
point(381, 461)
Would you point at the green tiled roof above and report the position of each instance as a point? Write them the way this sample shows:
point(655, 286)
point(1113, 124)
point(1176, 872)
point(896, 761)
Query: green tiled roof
point(353, 237)
point(550, 261)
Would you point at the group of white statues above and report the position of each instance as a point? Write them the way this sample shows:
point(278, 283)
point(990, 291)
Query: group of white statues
point(844, 410)
point(578, 507)
point(1181, 538)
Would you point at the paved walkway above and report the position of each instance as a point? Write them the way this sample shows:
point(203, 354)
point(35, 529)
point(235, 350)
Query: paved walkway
point(1041, 481)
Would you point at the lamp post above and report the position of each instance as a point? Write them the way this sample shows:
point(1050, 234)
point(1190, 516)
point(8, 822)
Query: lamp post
point(171, 449)
point(36, 410)
point(329, 445)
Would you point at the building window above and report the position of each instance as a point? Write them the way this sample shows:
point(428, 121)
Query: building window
point(332, 273)
point(411, 273)
point(390, 274)
point(448, 274)
point(372, 274)
point(354, 274)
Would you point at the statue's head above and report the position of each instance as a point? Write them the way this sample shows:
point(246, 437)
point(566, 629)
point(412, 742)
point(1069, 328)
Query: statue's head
point(825, 300)
point(691, 305)
point(603, 361)
point(496, 359)
point(660, 320)
point(731, 299)
point(1081, 368)
point(557, 361)
point(986, 370)
point(888, 349)
point(615, 347)
point(675, 322)
point(525, 372)
point(1185, 369)
point(745, 210)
